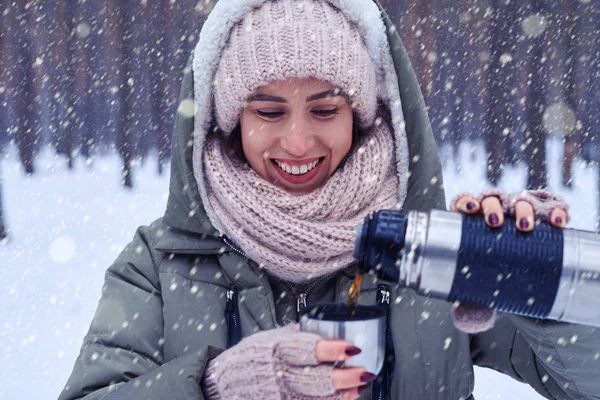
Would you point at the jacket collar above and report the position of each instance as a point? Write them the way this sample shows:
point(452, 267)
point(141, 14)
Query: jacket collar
point(179, 241)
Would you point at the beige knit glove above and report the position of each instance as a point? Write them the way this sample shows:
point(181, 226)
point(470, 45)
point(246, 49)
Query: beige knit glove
point(278, 364)
point(471, 318)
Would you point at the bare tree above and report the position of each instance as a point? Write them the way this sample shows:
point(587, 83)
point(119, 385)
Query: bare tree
point(64, 70)
point(4, 39)
point(24, 81)
point(500, 108)
point(3, 230)
point(120, 28)
point(535, 134)
point(83, 39)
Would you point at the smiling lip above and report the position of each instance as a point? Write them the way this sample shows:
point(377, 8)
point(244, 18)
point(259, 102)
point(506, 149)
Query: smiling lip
point(298, 179)
point(297, 163)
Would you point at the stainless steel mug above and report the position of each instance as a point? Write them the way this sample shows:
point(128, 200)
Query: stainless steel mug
point(365, 330)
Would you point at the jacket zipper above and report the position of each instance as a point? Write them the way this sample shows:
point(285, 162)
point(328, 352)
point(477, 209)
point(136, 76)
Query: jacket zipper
point(381, 384)
point(302, 296)
point(233, 247)
point(233, 318)
point(232, 311)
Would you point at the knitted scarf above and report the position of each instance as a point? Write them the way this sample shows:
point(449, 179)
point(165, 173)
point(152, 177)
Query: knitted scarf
point(299, 238)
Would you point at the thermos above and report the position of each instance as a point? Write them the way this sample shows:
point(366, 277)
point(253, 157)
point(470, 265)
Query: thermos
point(549, 273)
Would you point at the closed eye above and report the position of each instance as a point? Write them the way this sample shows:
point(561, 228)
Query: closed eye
point(326, 113)
point(269, 114)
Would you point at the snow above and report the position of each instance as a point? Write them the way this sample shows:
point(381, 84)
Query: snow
point(67, 227)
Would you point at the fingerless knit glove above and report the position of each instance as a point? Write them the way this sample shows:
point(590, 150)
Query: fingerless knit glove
point(275, 364)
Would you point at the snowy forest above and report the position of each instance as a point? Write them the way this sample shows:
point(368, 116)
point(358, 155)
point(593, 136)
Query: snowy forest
point(88, 87)
point(88, 76)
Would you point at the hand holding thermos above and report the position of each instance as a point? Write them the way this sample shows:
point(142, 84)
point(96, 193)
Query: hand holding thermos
point(484, 262)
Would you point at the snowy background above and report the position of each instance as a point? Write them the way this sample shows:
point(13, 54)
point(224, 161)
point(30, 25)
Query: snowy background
point(66, 228)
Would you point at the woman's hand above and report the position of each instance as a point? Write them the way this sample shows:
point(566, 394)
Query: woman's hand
point(527, 207)
point(350, 382)
point(285, 363)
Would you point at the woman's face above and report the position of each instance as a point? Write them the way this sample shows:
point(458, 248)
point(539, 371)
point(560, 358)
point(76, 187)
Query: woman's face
point(296, 132)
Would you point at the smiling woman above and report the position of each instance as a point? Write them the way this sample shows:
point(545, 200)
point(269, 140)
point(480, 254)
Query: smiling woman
point(318, 102)
point(295, 133)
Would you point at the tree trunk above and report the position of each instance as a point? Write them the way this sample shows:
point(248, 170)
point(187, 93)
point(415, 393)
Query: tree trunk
point(64, 68)
point(566, 21)
point(126, 90)
point(3, 230)
point(24, 84)
point(535, 143)
point(127, 171)
point(500, 108)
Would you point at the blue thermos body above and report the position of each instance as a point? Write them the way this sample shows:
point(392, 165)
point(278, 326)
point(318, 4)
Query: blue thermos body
point(548, 273)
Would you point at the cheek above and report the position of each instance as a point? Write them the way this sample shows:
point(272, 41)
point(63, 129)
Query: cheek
point(340, 142)
point(254, 144)
point(343, 137)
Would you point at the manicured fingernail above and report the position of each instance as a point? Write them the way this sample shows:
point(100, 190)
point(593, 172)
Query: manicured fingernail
point(352, 350)
point(558, 220)
point(524, 223)
point(470, 206)
point(362, 389)
point(367, 377)
point(493, 219)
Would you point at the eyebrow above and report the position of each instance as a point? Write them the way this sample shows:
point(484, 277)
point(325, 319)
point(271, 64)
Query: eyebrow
point(312, 97)
point(266, 97)
point(322, 95)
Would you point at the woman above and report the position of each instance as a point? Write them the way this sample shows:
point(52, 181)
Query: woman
point(307, 118)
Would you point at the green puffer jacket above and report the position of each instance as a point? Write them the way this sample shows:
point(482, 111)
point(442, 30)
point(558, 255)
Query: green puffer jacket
point(171, 297)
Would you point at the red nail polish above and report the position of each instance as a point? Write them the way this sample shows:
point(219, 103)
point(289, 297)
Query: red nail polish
point(361, 389)
point(493, 219)
point(367, 377)
point(559, 220)
point(352, 350)
point(470, 206)
point(524, 223)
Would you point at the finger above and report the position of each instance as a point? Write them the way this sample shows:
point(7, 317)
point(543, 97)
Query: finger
point(558, 217)
point(467, 204)
point(492, 210)
point(351, 394)
point(335, 350)
point(525, 216)
point(348, 378)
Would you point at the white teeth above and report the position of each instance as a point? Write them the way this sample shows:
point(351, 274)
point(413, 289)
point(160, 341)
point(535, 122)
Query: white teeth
point(297, 170)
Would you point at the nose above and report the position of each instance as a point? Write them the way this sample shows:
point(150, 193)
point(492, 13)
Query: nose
point(297, 139)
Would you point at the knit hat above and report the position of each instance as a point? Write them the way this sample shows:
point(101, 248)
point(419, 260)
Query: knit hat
point(294, 38)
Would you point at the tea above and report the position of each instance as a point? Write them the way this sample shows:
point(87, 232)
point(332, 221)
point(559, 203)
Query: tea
point(353, 294)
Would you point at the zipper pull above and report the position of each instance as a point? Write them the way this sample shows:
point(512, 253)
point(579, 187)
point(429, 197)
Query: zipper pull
point(300, 304)
point(384, 295)
point(229, 304)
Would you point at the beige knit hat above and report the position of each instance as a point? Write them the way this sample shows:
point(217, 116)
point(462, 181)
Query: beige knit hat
point(294, 38)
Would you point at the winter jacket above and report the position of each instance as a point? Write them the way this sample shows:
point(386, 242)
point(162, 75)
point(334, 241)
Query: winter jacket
point(179, 294)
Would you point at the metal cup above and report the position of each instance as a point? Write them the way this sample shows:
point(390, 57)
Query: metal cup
point(365, 330)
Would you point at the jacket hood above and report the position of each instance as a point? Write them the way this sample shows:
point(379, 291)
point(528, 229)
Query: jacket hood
point(417, 160)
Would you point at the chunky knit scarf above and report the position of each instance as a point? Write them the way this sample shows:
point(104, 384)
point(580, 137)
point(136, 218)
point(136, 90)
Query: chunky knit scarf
point(300, 238)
